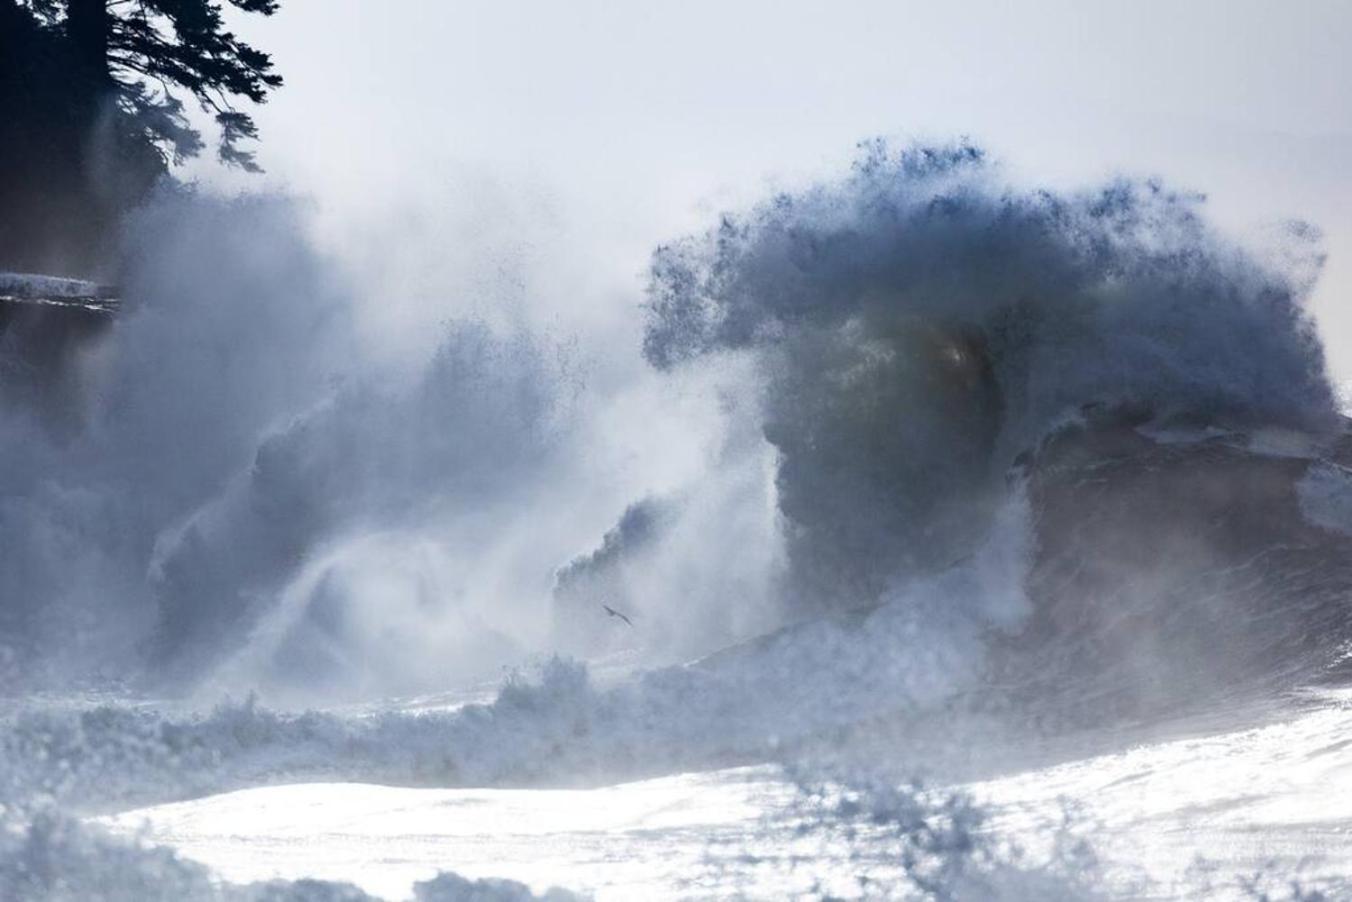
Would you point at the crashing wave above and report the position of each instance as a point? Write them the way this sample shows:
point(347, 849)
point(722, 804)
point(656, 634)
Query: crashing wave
point(919, 324)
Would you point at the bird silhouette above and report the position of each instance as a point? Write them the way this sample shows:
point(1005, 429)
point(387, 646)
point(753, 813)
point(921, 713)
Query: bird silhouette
point(614, 613)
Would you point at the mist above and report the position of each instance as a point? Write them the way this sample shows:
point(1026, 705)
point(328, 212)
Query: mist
point(293, 473)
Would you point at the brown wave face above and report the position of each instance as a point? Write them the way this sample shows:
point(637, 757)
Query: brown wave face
point(885, 432)
point(1176, 578)
point(1176, 575)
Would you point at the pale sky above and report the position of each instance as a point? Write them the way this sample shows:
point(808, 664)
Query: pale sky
point(636, 121)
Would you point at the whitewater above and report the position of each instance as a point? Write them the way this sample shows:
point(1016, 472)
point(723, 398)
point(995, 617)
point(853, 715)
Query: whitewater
point(973, 541)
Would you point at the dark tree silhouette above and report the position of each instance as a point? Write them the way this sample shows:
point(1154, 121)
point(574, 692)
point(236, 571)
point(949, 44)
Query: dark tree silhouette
point(92, 112)
point(135, 52)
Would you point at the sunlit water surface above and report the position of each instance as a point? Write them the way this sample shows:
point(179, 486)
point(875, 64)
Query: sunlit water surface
point(1222, 815)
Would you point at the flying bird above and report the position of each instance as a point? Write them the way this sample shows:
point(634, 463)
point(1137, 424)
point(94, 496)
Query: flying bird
point(614, 613)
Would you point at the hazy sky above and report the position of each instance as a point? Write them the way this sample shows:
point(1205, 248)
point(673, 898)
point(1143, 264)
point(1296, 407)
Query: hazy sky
point(633, 122)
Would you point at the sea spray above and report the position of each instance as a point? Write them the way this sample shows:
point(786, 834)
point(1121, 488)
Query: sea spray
point(919, 324)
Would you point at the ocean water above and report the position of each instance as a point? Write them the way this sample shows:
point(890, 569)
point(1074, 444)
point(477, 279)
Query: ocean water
point(971, 541)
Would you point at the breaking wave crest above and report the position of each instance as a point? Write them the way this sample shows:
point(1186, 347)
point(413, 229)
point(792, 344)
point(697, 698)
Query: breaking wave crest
point(920, 324)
